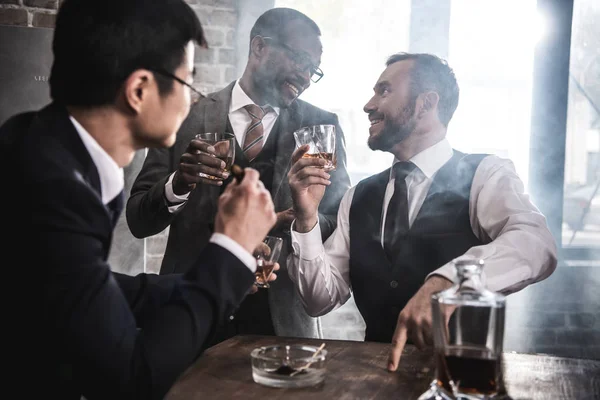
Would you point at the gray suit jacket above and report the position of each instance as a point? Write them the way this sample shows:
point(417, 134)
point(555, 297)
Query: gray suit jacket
point(191, 226)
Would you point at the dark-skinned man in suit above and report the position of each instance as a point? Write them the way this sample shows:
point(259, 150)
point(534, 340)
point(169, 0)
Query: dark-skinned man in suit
point(284, 57)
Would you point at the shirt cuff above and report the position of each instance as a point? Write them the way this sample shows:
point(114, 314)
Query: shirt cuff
point(175, 201)
point(309, 243)
point(235, 249)
point(447, 271)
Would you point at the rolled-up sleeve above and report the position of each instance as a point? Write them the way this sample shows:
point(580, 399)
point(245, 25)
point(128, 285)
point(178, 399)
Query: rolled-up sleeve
point(519, 248)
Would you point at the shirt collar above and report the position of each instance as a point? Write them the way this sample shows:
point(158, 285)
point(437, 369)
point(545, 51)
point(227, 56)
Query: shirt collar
point(430, 160)
point(112, 179)
point(239, 99)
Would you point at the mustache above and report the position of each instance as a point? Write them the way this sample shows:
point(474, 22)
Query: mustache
point(375, 115)
point(300, 86)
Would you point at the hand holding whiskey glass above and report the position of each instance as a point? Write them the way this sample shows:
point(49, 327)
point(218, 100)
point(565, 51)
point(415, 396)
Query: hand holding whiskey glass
point(267, 253)
point(224, 145)
point(321, 142)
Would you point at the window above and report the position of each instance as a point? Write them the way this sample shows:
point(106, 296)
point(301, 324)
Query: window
point(494, 68)
point(581, 207)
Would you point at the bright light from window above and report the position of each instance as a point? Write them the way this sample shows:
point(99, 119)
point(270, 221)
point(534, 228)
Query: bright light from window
point(491, 50)
point(539, 28)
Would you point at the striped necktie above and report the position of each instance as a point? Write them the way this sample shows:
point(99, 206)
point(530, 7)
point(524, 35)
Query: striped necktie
point(253, 137)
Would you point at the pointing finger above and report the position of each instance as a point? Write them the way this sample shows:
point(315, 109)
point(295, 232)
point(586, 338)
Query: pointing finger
point(398, 342)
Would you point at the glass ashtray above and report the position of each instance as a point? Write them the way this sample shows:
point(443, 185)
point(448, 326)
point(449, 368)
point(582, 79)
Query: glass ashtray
point(288, 366)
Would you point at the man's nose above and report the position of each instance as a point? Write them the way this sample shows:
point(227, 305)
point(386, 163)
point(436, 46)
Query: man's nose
point(370, 106)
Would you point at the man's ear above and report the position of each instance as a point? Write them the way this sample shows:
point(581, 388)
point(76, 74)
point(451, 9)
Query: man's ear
point(137, 89)
point(258, 46)
point(428, 102)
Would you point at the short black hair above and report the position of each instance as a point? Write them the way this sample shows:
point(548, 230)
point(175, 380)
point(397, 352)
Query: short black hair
point(431, 72)
point(97, 44)
point(272, 23)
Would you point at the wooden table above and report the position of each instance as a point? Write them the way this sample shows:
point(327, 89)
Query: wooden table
point(357, 370)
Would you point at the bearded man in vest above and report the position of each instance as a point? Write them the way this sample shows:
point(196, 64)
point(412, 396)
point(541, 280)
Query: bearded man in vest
point(399, 231)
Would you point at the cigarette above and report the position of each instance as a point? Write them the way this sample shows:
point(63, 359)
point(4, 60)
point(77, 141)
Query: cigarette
point(238, 172)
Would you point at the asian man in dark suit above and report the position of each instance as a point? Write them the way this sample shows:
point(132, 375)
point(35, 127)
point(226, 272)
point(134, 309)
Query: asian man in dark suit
point(119, 82)
point(262, 109)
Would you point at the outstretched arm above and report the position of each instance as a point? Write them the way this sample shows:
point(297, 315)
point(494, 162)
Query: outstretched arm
point(519, 249)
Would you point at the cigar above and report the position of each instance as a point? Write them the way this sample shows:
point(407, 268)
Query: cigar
point(238, 172)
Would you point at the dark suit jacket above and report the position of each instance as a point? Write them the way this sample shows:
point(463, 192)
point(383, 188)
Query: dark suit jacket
point(78, 328)
point(191, 226)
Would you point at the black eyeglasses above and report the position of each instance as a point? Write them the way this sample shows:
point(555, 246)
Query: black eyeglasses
point(195, 94)
point(302, 61)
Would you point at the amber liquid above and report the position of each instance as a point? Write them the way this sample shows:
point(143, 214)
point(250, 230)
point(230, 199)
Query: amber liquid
point(263, 272)
point(329, 157)
point(228, 164)
point(470, 370)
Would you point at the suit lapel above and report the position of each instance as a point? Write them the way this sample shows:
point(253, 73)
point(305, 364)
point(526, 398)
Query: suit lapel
point(216, 112)
point(289, 120)
point(55, 118)
point(216, 119)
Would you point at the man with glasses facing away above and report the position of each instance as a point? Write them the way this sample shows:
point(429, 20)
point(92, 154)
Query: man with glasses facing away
point(284, 57)
point(74, 327)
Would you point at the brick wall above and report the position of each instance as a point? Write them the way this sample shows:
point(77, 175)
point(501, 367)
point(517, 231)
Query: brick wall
point(216, 66)
point(36, 13)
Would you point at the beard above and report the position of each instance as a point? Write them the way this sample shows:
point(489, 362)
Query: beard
point(394, 131)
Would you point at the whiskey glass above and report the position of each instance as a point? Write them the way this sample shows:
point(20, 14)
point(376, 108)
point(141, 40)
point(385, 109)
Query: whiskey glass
point(321, 141)
point(224, 144)
point(266, 254)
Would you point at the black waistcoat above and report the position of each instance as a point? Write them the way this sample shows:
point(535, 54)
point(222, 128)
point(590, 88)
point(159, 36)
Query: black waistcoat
point(440, 233)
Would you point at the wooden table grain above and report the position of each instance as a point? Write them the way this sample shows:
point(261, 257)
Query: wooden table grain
point(357, 370)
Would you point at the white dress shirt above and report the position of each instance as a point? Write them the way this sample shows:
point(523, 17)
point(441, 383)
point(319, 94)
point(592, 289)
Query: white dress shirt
point(239, 119)
point(518, 247)
point(112, 181)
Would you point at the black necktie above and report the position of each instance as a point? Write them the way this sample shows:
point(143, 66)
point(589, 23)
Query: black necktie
point(115, 206)
point(396, 219)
